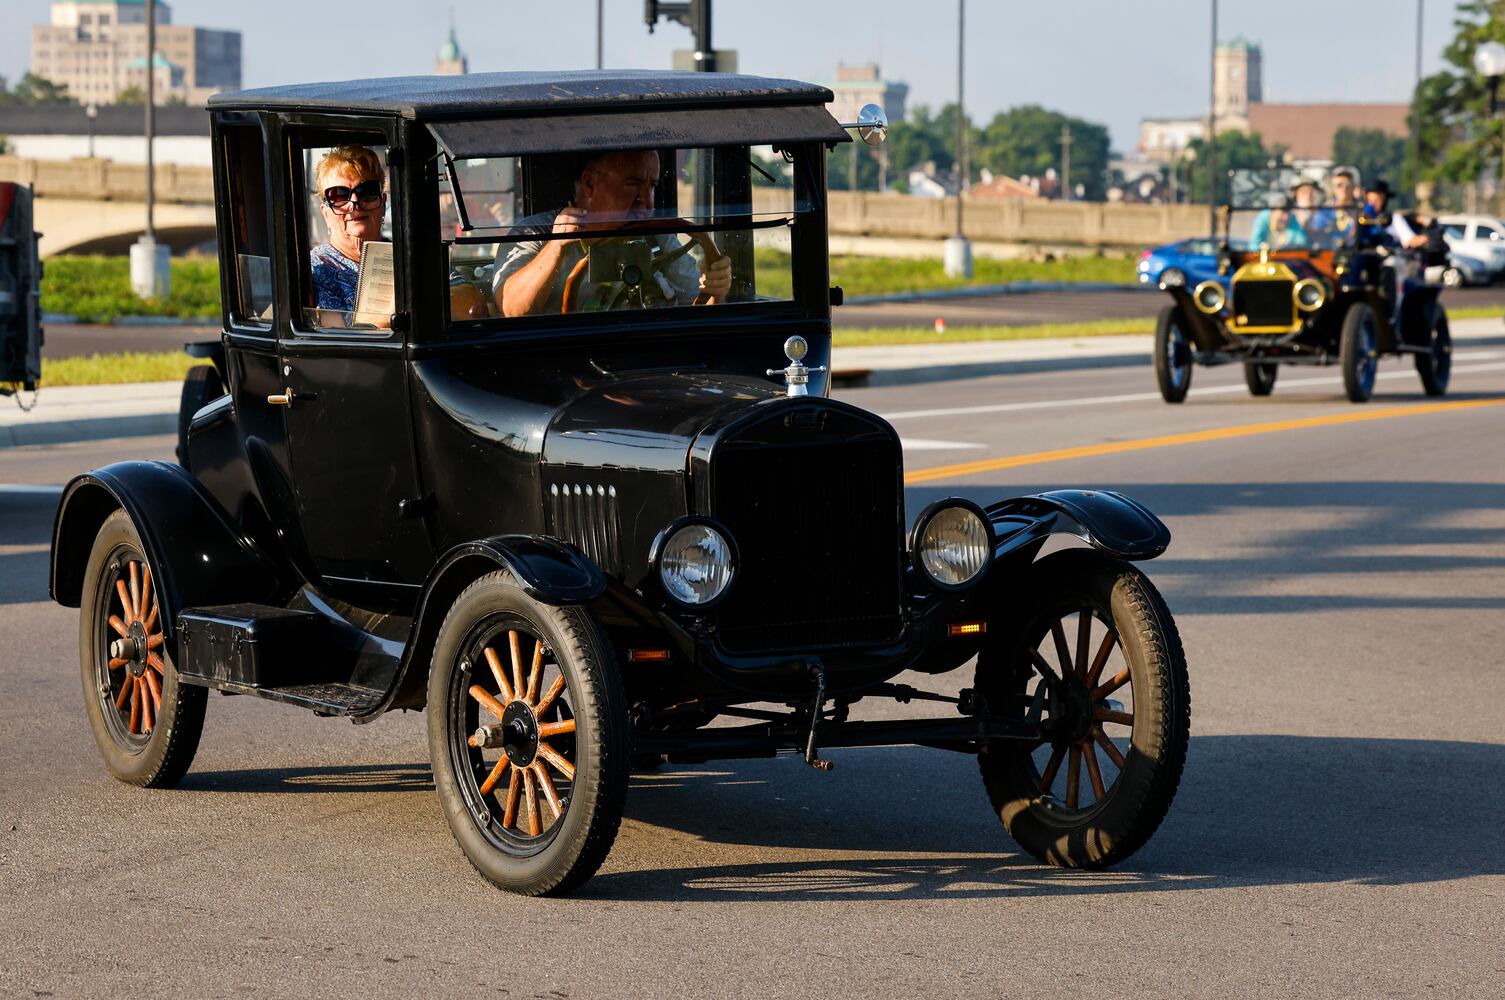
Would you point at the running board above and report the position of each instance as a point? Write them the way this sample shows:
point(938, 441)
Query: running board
point(966, 735)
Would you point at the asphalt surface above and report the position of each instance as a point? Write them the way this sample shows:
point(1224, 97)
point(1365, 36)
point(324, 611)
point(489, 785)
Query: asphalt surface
point(1340, 591)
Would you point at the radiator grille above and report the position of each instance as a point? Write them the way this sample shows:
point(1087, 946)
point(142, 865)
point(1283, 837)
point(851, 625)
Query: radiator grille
point(816, 529)
point(586, 516)
point(1264, 303)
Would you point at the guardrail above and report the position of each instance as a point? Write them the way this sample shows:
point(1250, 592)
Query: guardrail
point(1091, 225)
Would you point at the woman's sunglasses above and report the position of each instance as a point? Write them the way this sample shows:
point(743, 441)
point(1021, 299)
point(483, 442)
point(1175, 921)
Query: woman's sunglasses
point(365, 194)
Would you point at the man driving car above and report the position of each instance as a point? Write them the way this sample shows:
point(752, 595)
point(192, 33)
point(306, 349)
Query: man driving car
point(613, 189)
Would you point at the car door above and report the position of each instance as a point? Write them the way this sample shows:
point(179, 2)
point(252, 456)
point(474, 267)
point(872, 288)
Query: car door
point(345, 393)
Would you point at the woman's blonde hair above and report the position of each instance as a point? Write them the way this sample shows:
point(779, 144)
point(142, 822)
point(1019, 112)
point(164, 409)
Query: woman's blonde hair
point(359, 158)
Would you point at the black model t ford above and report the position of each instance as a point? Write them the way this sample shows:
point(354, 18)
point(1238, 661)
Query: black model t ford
point(533, 456)
point(1305, 278)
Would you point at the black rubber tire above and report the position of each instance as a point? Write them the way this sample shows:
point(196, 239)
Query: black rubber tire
point(1436, 367)
point(201, 386)
point(1170, 336)
point(1357, 352)
point(1260, 378)
point(1114, 827)
point(602, 740)
point(162, 758)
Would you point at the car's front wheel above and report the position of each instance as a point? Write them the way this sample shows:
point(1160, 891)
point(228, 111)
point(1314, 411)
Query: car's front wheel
point(1261, 378)
point(1358, 353)
point(1093, 644)
point(528, 735)
point(1436, 365)
point(1173, 351)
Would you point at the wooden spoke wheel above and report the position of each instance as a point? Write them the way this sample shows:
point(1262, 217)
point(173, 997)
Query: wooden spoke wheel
point(528, 735)
point(146, 725)
point(1095, 646)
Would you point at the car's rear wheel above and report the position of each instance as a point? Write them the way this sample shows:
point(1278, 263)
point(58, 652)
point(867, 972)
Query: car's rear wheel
point(1436, 366)
point(1173, 351)
point(145, 722)
point(1095, 644)
point(1260, 378)
point(528, 737)
point(1358, 353)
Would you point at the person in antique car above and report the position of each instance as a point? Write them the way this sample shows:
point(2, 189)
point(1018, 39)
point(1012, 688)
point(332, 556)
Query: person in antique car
point(1277, 228)
point(350, 183)
point(613, 188)
point(1376, 201)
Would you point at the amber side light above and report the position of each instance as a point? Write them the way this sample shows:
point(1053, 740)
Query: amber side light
point(966, 628)
point(647, 656)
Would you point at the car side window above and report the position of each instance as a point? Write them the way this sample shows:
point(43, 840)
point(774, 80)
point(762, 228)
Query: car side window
point(345, 247)
point(250, 287)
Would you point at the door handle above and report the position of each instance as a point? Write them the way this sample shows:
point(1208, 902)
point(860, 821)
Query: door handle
point(283, 398)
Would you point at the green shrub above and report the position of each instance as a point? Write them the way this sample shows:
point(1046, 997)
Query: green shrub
point(98, 289)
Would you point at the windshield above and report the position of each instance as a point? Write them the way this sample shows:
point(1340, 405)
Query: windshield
point(1288, 209)
point(624, 229)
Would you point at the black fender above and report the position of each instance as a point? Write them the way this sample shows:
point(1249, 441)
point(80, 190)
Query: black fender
point(548, 570)
point(214, 351)
point(1207, 332)
point(198, 557)
point(1110, 522)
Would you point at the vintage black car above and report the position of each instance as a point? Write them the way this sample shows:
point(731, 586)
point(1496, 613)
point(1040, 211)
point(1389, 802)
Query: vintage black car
point(1305, 279)
point(542, 465)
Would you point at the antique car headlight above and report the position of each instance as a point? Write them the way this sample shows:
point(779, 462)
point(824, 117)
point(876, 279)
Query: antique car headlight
point(1309, 294)
point(1209, 297)
point(952, 543)
point(695, 560)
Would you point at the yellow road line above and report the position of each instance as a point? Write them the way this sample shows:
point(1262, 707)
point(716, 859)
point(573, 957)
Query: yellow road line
point(1192, 437)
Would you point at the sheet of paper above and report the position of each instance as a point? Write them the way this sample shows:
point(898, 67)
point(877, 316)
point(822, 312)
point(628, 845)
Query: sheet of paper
point(375, 289)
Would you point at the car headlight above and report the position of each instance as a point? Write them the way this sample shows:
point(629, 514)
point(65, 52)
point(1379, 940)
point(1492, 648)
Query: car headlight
point(1175, 279)
point(696, 561)
point(952, 543)
point(1309, 294)
point(1209, 297)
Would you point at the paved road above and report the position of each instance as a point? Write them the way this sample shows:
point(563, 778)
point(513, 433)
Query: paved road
point(1340, 589)
point(1030, 308)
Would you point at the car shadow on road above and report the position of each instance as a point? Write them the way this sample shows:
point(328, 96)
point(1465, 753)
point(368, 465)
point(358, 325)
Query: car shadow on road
point(333, 778)
point(900, 823)
point(1352, 535)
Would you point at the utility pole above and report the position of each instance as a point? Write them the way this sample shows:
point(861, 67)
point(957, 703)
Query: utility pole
point(1212, 129)
point(693, 14)
point(1066, 190)
point(957, 253)
point(1416, 111)
point(149, 269)
point(599, 62)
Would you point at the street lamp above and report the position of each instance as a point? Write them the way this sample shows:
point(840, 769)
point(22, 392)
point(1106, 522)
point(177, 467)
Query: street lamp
point(956, 252)
point(92, 111)
point(1489, 60)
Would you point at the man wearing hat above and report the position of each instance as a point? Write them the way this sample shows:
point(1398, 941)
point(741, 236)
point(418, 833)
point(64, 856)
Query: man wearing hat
point(1375, 201)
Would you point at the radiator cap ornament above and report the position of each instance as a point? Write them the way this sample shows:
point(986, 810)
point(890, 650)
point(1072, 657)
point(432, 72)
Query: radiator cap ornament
point(796, 376)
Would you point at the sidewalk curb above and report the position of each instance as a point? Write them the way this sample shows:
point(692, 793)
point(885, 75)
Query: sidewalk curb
point(69, 319)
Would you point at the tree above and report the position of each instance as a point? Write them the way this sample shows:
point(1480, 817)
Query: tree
point(1460, 139)
point(1233, 151)
point(1027, 141)
point(1374, 153)
point(131, 95)
point(33, 89)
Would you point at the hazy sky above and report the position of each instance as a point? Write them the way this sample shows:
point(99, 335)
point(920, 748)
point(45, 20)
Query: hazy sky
point(1112, 61)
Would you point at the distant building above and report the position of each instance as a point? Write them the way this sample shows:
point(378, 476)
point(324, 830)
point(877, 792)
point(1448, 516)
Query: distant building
point(451, 61)
point(998, 187)
point(97, 48)
point(863, 84)
point(1238, 100)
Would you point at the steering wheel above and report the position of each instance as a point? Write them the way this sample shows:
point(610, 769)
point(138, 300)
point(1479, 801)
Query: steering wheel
point(661, 258)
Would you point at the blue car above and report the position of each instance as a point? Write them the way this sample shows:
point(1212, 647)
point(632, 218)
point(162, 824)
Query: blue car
point(1196, 260)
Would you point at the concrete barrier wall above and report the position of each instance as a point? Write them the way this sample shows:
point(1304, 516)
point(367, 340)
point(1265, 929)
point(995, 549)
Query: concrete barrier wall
point(1086, 225)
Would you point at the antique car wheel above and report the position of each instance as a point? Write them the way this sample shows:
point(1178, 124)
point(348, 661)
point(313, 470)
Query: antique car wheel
point(1435, 367)
point(1172, 355)
point(1260, 378)
point(1095, 642)
point(146, 723)
point(1357, 353)
point(201, 386)
point(527, 728)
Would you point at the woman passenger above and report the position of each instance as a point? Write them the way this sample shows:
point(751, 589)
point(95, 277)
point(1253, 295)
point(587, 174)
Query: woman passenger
point(351, 186)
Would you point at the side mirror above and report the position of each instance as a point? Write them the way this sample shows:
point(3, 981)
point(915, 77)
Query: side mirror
point(871, 125)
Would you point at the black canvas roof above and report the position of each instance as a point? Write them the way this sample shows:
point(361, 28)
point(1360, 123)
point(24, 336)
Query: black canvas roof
point(487, 94)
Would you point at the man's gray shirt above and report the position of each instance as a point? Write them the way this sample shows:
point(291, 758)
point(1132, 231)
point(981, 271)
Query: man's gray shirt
point(683, 274)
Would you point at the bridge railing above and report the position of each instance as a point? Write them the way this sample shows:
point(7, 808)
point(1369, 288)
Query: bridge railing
point(107, 180)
